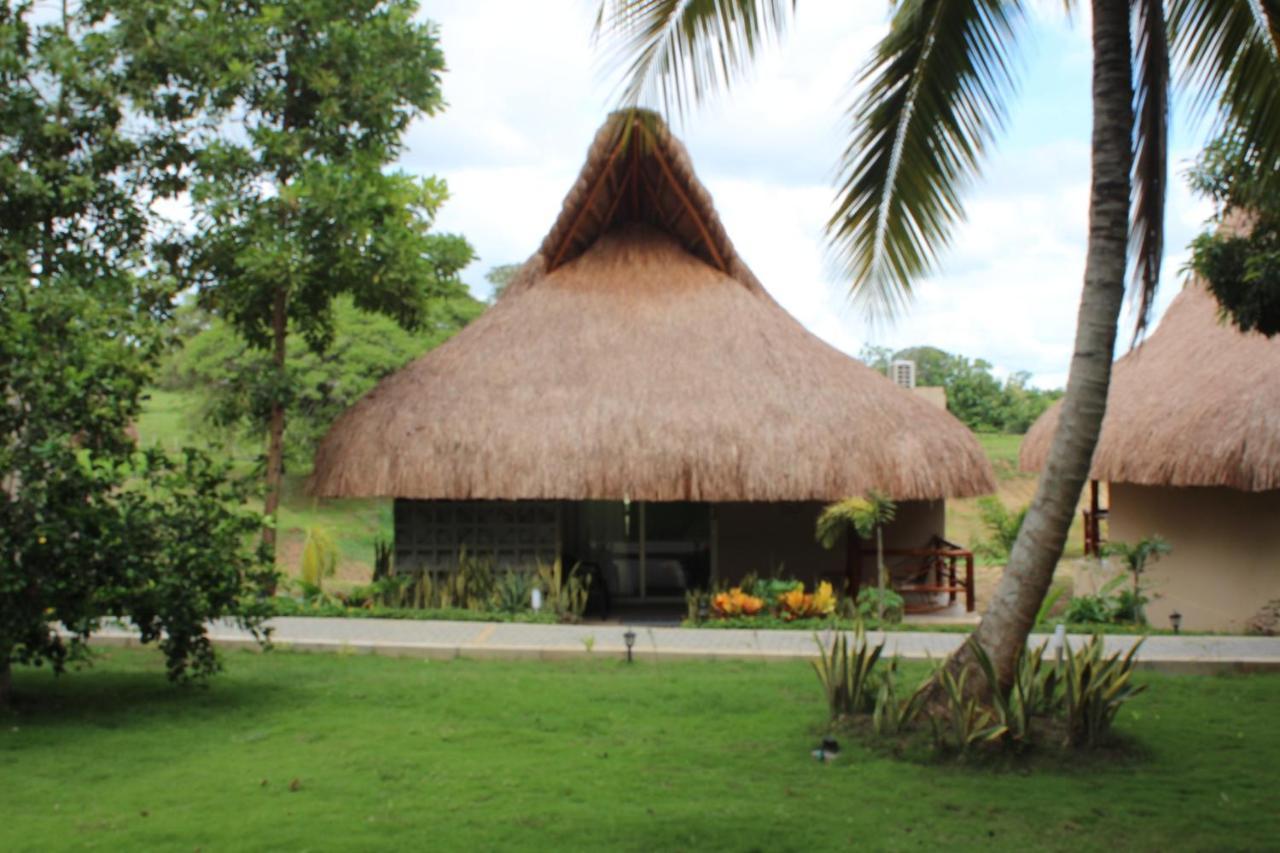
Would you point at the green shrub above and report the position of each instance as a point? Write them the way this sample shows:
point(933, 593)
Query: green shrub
point(1128, 606)
point(513, 592)
point(1002, 526)
point(1085, 609)
point(873, 601)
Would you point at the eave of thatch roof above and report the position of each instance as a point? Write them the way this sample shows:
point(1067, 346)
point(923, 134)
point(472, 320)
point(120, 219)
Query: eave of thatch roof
point(1197, 404)
point(636, 356)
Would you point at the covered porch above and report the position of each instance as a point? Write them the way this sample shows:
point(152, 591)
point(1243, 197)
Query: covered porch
point(645, 556)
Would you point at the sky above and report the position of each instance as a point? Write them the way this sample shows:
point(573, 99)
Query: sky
point(527, 89)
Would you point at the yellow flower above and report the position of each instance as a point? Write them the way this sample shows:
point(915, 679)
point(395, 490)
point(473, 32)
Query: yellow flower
point(824, 600)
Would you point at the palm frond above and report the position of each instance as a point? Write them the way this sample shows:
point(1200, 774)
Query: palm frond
point(935, 93)
point(1151, 160)
point(1228, 52)
point(681, 51)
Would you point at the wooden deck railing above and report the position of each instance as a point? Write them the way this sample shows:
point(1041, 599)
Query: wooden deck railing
point(936, 573)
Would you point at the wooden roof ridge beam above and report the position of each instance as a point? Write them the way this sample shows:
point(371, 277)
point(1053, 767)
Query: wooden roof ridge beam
point(693, 211)
point(572, 233)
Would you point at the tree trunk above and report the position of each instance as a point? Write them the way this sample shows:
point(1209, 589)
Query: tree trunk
point(1011, 614)
point(6, 680)
point(880, 572)
point(275, 430)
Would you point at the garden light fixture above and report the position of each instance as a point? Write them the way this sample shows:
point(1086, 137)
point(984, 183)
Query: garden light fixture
point(829, 749)
point(630, 639)
point(1175, 619)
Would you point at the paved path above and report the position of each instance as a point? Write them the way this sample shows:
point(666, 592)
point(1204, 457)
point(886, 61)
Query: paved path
point(437, 639)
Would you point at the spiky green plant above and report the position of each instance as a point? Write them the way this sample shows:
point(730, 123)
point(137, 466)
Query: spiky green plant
point(1095, 687)
point(966, 721)
point(845, 675)
point(319, 559)
point(891, 715)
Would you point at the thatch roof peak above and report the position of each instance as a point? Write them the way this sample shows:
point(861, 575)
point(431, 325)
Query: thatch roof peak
point(1197, 404)
point(636, 356)
point(636, 172)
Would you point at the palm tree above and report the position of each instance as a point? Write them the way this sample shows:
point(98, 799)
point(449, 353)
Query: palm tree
point(934, 95)
point(868, 517)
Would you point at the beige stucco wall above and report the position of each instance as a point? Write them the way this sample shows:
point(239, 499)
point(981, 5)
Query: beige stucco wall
point(935, 394)
point(1225, 561)
point(758, 537)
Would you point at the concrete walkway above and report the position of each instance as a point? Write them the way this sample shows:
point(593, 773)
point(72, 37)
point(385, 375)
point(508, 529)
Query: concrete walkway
point(441, 640)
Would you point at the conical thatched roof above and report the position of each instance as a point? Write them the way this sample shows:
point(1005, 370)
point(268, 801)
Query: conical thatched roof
point(1197, 404)
point(636, 356)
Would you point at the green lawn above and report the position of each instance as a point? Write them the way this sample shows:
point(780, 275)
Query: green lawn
point(586, 754)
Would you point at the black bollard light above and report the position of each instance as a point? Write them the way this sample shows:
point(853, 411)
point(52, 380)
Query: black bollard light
point(630, 639)
point(1175, 619)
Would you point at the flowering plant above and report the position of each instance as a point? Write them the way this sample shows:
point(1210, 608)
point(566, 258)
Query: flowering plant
point(797, 604)
point(735, 602)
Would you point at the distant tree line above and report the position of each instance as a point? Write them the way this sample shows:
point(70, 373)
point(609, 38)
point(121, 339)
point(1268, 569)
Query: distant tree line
point(974, 395)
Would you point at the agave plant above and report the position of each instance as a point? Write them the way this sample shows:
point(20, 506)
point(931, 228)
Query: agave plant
point(1035, 691)
point(1096, 687)
point(966, 721)
point(846, 676)
point(892, 715)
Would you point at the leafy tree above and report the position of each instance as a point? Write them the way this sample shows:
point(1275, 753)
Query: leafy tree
point(974, 396)
point(227, 374)
point(89, 527)
point(302, 106)
point(934, 95)
point(1241, 265)
point(499, 277)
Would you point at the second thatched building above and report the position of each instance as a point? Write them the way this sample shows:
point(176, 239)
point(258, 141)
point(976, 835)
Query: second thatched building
point(1190, 451)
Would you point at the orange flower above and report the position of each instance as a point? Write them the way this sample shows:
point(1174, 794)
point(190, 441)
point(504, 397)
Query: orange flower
point(736, 603)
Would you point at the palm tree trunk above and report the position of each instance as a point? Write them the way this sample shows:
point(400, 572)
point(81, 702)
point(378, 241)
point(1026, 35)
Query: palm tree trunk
point(275, 430)
point(1011, 614)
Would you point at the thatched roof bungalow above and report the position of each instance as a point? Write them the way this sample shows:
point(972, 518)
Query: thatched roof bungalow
point(1190, 450)
point(636, 362)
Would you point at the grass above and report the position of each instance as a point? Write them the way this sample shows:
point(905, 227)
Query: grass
point(1014, 487)
point(353, 524)
point(287, 751)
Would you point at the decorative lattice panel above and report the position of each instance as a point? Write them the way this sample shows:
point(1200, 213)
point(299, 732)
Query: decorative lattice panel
point(514, 534)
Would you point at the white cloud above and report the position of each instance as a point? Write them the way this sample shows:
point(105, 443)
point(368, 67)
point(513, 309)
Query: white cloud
point(527, 90)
